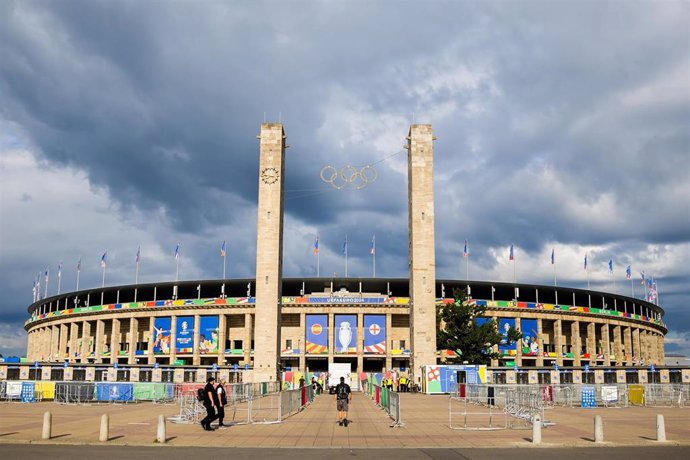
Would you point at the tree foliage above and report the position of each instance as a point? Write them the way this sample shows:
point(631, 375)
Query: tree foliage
point(457, 330)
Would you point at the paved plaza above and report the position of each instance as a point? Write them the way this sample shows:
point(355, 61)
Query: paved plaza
point(425, 426)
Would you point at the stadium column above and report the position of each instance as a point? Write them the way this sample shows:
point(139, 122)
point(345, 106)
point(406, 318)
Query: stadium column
point(618, 345)
point(575, 342)
point(660, 349)
point(196, 359)
point(222, 333)
point(149, 349)
point(73, 341)
point(269, 252)
point(558, 340)
point(518, 345)
point(627, 345)
point(133, 339)
point(115, 341)
point(420, 162)
point(636, 349)
point(62, 346)
point(389, 342)
point(302, 341)
point(55, 343)
point(606, 344)
point(85, 341)
point(592, 341)
point(360, 342)
point(247, 342)
point(173, 339)
point(98, 344)
point(331, 337)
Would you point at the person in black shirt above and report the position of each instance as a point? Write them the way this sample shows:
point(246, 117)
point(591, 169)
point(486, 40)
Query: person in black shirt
point(210, 403)
point(222, 402)
point(343, 396)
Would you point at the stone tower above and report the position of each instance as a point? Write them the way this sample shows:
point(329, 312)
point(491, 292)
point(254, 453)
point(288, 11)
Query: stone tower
point(269, 252)
point(420, 160)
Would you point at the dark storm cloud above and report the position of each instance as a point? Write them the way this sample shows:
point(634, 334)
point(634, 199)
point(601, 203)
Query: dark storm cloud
point(558, 123)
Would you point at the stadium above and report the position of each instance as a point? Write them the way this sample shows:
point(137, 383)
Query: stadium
point(266, 326)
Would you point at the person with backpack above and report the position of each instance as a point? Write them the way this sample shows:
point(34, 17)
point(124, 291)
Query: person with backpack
point(222, 402)
point(210, 400)
point(343, 397)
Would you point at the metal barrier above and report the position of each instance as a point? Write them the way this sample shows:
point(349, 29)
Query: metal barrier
point(476, 413)
point(387, 399)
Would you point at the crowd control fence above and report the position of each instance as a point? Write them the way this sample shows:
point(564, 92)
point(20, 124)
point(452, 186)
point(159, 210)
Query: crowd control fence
point(387, 399)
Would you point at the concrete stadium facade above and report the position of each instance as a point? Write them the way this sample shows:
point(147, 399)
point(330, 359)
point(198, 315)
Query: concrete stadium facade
point(268, 323)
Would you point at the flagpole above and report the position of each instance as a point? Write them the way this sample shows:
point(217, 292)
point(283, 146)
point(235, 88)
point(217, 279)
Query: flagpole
point(47, 278)
point(346, 255)
point(318, 263)
point(514, 269)
point(103, 282)
point(78, 272)
point(224, 263)
point(467, 267)
point(59, 278)
point(587, 271)
point(177, 268)
point(136, 275)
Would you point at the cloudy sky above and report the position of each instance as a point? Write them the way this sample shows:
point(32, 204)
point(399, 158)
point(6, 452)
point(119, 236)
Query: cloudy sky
point(560, 125)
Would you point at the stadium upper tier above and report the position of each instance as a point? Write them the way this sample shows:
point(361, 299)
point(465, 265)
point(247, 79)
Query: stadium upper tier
point(342, 291)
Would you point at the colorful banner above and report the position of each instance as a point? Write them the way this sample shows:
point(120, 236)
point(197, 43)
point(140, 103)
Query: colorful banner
point(506, 346)
point(208, 334)
point(375, 334)
point(317, 334)
point(445, 378)
point(345, 333)
point(184, 335)
point(161, 335)
point(530, 337)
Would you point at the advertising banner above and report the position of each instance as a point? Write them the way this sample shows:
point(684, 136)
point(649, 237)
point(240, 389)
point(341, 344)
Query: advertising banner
point(345, 333)
point(161, 335)
point(506, 346)
point(317, 334)
point(445, 378)
point(530, 337)
point(184, 335)
point(208, 334)
point(375, 334)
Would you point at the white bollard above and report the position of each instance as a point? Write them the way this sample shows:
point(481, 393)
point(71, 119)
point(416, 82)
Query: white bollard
point(598, 429)
point(161, 437)
point(47, 425)
point(536, 430)
point(105, 422)
point(660, 428)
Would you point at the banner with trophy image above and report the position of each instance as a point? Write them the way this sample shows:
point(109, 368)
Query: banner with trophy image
point(345, 333)
point(184, 335)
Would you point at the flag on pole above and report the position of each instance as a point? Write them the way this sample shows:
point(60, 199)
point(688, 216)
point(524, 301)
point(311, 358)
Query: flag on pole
point(642, 277)
point(103, 259)
point(610, 265)
point(316, 245)
point(177, 251)
point(465, 252)
point(60, 269)
point(138, 258)
point(511, 255)
point(372, 250)
point(222, 249)
point(345, 246)
point(585, 261)
point(628, 272)
point(553, 256)
point(46, 274)
point(79, 265)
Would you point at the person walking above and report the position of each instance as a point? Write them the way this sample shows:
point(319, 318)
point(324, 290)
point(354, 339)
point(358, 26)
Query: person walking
point(222, 402)
point(210, 403)
point(343, 398)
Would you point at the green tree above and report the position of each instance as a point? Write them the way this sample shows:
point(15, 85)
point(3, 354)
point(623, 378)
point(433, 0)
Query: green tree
point(456, 329)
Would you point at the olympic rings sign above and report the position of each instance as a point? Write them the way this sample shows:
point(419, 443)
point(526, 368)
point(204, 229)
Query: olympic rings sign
point(348, 176)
